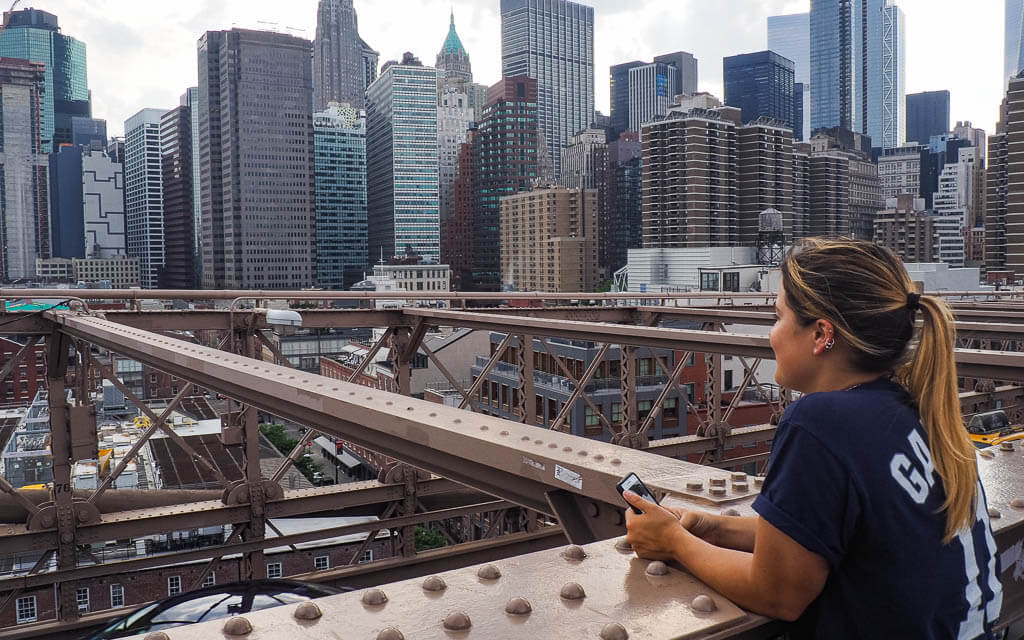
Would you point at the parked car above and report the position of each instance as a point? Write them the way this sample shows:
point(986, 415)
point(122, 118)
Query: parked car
point(211, 603)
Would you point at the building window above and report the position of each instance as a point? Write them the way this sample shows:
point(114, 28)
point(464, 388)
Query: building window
point(273, 569)
point(210, 580)
point(82, 598)
point(616, 413)
point(366, 557)
point(322, 562)
point(591, 421)
point(727, 379)
point(643, 409)
point(116, 596)
point(731, 281)
point(709, 281)
point(26, 608)
point(670, 410)
point(173, 585)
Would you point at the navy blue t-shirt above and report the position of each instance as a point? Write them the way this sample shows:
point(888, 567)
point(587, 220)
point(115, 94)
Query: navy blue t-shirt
point(851, 479)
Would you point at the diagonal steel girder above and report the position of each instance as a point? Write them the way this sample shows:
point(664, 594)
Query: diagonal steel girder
point(517, 462)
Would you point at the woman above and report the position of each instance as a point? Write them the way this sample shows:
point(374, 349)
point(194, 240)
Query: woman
point(872, 522)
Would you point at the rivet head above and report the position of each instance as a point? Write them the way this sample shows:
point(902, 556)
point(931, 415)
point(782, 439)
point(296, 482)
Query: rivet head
point(307, 611)
point(615, 461)
point(740, 486)
point(488, 572)
point(518, 607)
point(157, 635)
point(622, 544)
point(986, 453)
point(1017, 503)
point(434, 583)
point(656, 568)
point(994, 513)
point(758, 482)
point(390, 633)
point(574, 552)
point(457, 621)
point(703, 603)
point(738, 477)
point(505, 433)
point(730, 512)
point(717, 482)
point(614, 631)
point(374, 597)
point(695, 486)
point(572, 591)
point(718, 491)
point(237, 626)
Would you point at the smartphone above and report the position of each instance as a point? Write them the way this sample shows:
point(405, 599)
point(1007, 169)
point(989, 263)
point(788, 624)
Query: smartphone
point(634, 484)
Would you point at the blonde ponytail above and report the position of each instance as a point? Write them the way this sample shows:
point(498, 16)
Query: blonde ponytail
point(930, 378)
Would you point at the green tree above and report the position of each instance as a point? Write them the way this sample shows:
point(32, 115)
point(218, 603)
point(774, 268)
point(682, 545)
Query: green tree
point(428, 538)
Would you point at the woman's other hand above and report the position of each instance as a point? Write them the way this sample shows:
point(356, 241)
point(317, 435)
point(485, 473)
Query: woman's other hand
point(654, 534)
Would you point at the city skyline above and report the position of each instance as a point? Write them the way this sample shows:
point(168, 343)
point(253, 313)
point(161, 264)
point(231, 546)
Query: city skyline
point(154, 60)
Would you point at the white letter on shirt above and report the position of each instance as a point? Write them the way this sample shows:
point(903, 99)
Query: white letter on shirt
point(908, 477)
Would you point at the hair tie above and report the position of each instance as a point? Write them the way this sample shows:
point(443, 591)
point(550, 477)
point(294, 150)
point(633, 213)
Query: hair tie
point(913, 301)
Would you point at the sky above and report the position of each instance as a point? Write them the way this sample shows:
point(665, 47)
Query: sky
point(142, 53)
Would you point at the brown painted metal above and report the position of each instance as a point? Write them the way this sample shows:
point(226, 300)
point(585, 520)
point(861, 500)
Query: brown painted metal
point(670, 385)
point(577, 384)
point(482, 378)
point(581, 386)
point(383, 340)
point(18, 357)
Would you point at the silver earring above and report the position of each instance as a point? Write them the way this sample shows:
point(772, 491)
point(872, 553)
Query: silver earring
point(829, 343)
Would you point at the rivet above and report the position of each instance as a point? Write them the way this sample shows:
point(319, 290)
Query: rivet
point(307, 611)
point(614, 631)
point(622, 544)
point(599, 457)
point(717, 482)
point(538, 441)
point(410, 408)
point(553, 446)
point(581, 452)
point(374, 597)
point(572, 591)
point(1017, 503)
point(369, 397)
point(574, 552)
point(157, 635)
point(740, 486)
point(351, 393)
point(388, 403)
point(505, 433)
point(67, 537)
point(1006, 446)
point(695, 486)
point(434, 583)
point(758, 482)
point(739, 477)
point(567, 449)
point(615, 461)
point(457, 621)
point(656, 568)
point(237, 626)
point(730, 512)
point(484, 427)
point(994, 513)
point(391, 633)
point(518, 607)
point(986, 453)
point(718, 491)
point(432, 414)
point(488, 572)
point(703, 603)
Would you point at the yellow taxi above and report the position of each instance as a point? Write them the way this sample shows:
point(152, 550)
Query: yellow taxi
point(993, 428)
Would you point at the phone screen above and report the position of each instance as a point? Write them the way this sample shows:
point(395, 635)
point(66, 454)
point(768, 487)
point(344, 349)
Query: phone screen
point(634, 484)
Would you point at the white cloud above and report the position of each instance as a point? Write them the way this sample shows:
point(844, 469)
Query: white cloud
point(143, 53)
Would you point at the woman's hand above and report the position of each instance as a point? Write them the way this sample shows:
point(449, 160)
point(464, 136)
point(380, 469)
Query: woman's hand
point(654, 534)
point(700, 523)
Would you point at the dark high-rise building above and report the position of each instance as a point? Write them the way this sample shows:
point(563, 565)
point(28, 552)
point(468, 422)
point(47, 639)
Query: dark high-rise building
point(552, 41)
point(760, 85)
point(996, 181)
point(506, 147)
point(1013, 43)
point(31, 34)
point(620, 228)
point(343, 64)
point(618, 78)
point(1013, 224)
point(89, 132)
point(837, 64)
point(24, 210)
point(685, 66)
point(256, 157)
point(828, 178)
point(179, 220)
point(790, 37)
point(927, 115)
point(799, 113)
point(457, 228)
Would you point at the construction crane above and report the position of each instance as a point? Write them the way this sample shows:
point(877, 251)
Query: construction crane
point(7, 15)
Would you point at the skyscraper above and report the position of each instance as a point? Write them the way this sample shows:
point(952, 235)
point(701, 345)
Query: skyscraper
point(179, 220)
point(454, 117)
point(790, 37)
point(837, 64)
point(686, 70)
point(886, 75)
point(618, 79)
point(339, 136)
point(1013, 43)
point(256, 157)
point(552, 41)
point(343, 64)
point(651, 90)
point(927, 115)
point(620, 230)
point(760, 85)
point(455, 73)
point(34, 35)
point(1012, 223)
point(143, 194)
point(402, 161)
point(190, 99)
point(86, 203)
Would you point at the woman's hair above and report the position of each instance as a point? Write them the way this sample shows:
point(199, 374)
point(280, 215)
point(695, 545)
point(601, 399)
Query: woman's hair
point(864, 291)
